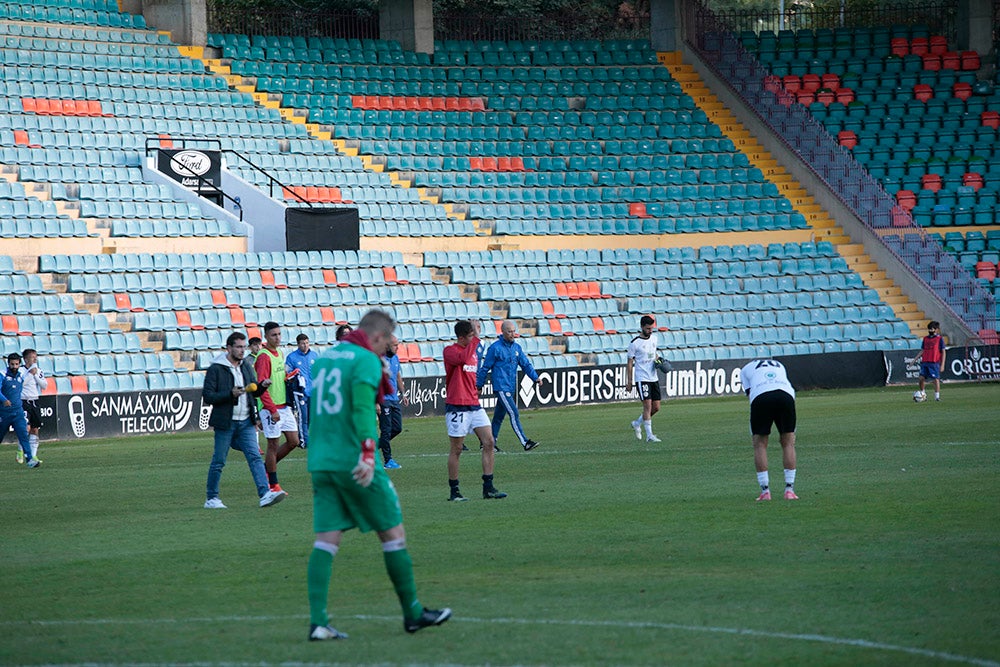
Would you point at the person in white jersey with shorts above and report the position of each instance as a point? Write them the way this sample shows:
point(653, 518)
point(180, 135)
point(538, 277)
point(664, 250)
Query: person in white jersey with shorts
point(772, 401)
point(642, 354)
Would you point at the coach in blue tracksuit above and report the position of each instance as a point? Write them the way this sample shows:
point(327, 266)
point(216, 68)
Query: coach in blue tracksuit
point(11, 408)
point(503, 357)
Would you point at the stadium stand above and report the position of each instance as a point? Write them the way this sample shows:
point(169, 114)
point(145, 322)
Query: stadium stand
point(914, 118)
point(480, 143)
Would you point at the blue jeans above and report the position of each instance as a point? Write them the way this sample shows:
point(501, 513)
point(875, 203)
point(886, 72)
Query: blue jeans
point(241, 437)
point(15, 417)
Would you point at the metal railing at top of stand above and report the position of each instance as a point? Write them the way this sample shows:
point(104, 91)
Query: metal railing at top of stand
point(717, 44)
point(271, 180)
point(153, 144)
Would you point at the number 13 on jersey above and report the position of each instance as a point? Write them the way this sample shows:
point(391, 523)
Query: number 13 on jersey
point(327, 391)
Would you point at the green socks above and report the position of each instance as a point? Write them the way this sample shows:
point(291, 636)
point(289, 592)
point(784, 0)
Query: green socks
point(399, 565)
point(318, 584)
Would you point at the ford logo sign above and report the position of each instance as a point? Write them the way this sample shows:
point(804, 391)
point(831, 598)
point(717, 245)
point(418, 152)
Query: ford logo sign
point(190, 163)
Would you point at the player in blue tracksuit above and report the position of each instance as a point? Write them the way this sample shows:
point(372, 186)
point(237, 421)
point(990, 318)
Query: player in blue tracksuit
point(503, 357)
point(11, 408)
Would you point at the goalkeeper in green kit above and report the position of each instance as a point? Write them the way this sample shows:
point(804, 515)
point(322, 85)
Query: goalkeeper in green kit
point(349, 489)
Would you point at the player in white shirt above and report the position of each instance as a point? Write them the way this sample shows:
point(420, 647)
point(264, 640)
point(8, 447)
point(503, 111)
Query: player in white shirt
point(642, 353)
point(772, 401)
point(34, 384)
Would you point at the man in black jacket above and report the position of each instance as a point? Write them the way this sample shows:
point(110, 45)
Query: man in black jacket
point(230, 386)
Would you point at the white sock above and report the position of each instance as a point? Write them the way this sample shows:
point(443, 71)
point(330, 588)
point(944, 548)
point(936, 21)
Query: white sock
point(33, 443)
point(763, 480)
point(648, 423)
point(331, 549)
point(937, 394)
point(789, 478)
point(637, 421)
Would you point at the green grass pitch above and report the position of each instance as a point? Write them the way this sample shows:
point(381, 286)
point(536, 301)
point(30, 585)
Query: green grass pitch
point(609, 551)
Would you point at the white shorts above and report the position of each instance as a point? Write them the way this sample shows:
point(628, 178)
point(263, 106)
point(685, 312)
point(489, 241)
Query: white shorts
point(463, 422)
point(285, 424)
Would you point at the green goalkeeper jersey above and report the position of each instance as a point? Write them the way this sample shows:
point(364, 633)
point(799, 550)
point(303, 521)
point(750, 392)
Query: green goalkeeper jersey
point(342, 410)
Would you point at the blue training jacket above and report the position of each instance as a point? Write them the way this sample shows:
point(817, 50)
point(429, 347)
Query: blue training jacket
point(10, 389)
point(504, 358)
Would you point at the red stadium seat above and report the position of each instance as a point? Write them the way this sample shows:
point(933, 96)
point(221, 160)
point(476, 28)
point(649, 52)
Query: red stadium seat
point(847, 138)
point(900, 217)
point(990, 119)
point(830, 82)
point(805, 97)
point(932, 62)
point(973, 180)
point(900, 46)
point(906, 199)
point(986, 270)
point(962, 90)
point(989, 337)
point(938, 44)
point(970, 61)
point(845, 95)
point(811, 82)
point(94, 109)
point(919, 46)
point(123, 302)
point(78, 383)
point(637, 209)
point(931, 182)
point(923, 92)
point(951, 60)
point(792, 83)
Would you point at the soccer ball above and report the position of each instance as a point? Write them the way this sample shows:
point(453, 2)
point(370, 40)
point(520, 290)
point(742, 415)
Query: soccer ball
point(919, 396)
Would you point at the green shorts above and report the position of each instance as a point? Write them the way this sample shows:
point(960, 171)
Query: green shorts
point(340, 503)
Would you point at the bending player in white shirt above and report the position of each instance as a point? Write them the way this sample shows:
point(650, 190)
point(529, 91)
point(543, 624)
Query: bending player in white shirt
point(772, 401)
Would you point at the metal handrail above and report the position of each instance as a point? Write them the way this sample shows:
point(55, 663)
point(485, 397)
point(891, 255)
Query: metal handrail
point(201, 179)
